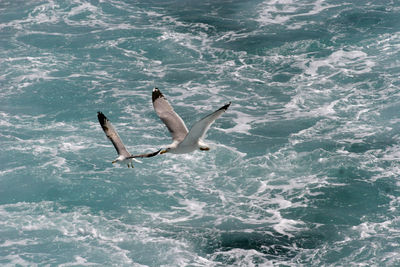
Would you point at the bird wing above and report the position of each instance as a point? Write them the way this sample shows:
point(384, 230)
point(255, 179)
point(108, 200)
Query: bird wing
point(171, 119)
point(147, 155)
point(112, 135)
point(200, 128)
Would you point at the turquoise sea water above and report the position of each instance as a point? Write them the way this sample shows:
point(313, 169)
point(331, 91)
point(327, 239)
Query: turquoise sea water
point(304, 166)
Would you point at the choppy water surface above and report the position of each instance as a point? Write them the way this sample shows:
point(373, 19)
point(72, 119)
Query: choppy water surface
point(304, 166)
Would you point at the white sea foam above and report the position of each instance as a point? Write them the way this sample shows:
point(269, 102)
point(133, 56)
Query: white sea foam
point(162, 212)
point(243, 257)
point(271, 12)
point(11, 170)
point(284, 11)
point(44, 13)
point(243, 123)
point(91, 232)
point(347, 62)
point(17, 260)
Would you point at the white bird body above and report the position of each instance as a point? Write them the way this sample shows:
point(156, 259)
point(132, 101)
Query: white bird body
point(123, 159)
point(184, 141)
point(179, 148)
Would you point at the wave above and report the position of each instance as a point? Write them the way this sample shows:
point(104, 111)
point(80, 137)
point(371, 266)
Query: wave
point(311, 134)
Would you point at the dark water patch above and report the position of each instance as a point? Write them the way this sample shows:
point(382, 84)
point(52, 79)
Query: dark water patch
point(343, 204)
point(261, 43)
point(21, 187)
point(269, 246)
point(16, 10)
point(373, 143)
point(219, 15)
point(391, 112)
point(283, 128)
point(325, 145)
point(282, 77)
point(359, 23)
point(262, 243)
point(59, 99)
point(44, 41)
point(259, 145)
point(182, 76)
point(359, 148)
point(368, 18)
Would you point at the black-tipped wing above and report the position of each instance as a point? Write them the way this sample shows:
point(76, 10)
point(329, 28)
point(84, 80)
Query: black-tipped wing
point(148, 155)
point(200, 128)
point(112, 135)
point(164, 110)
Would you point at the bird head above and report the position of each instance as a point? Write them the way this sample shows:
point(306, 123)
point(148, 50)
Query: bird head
point(119, 159)
point(163, 151)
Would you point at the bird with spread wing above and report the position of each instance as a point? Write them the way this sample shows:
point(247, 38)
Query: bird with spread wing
point(123, 155)
point(184, 141)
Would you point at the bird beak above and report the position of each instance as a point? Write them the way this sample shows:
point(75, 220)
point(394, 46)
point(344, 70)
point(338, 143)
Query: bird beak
point(163, 151)
point(114, 161)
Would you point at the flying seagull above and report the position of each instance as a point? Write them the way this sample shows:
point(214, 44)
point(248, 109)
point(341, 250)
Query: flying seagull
point(184, 141)
point(123, 155)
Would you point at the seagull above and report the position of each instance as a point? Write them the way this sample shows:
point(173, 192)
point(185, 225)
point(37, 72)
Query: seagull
point(123, 155)
point(184, 141)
